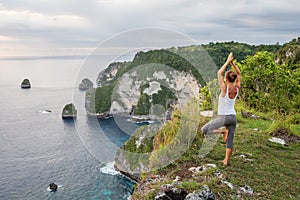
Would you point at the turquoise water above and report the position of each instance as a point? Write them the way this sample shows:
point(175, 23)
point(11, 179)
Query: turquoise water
point(38, 147)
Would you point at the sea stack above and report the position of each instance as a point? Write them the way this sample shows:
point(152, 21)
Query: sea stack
point(69, 111)
point(53, 187)
point(85, 84)
point(25, 84)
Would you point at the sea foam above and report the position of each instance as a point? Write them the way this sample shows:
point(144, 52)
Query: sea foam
point(109, 169)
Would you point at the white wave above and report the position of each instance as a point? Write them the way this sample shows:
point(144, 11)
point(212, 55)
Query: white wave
point(109, 169)
point(45, 111)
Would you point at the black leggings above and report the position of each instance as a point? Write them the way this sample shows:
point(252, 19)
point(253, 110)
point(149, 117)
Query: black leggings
point(222, 120)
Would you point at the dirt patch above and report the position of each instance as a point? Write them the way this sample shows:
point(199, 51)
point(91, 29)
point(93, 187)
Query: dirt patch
point(182, 170)
point(286, 135)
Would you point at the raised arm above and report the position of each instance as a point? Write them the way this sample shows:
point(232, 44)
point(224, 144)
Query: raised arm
point(238, 72)
point(221, 72)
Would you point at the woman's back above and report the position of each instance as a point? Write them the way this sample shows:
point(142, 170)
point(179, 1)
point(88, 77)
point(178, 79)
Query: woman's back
point(232, 91)
point(227, 102)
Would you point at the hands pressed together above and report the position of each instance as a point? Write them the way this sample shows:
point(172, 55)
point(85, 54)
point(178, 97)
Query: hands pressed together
point(230, 58)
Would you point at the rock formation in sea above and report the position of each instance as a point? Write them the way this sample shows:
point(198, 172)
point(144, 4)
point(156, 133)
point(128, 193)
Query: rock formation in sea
point(69, 111)
point(85, 84)
point(25, 84)
point(53, 187)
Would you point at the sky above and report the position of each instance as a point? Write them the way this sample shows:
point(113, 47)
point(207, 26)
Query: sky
point(76, 27)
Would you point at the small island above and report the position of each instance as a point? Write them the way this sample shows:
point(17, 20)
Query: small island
point(25, 84)
point(85, 84)
point(69, 111)
point(52, 187)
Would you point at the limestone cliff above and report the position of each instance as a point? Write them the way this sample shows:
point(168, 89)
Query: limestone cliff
point(145, 86)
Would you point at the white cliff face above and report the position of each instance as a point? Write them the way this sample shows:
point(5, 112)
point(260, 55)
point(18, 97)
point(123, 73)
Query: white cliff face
point(125, 95)
point(185, 85)
point(153, 88)
point(159, 75)
point(109, 73)
point(127, 92)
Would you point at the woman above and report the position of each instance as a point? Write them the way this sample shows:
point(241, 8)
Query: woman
point(226, 113)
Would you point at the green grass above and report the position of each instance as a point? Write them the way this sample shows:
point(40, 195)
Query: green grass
point(295, 129)
point(273, 171)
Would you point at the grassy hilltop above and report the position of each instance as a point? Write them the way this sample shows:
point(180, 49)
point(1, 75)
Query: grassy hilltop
point(268, 105)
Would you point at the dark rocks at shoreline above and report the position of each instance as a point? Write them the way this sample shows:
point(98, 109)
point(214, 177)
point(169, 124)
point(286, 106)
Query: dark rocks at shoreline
point(123, 166)
point(140, 119)
point(104, 115)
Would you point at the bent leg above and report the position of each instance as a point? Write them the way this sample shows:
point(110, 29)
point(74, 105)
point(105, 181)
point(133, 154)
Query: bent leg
point(214, 125)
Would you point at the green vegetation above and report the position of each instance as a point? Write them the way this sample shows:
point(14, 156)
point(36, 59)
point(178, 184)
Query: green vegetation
point(108, 76)
point(163, 96)
point(143, 106)
point(270, 91)
point(69, 111)
point(268, 86)
point(167, 58)
point(183, 59)
point(86, 84)
point(289, 54)
point(220, 50)
point(160, 98)
point(206, 103)
point(145, 147)
point(270, 169)
point(25, 83)
point(98, 100)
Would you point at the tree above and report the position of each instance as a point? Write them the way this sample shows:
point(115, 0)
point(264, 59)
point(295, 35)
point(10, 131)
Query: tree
point(267, 86)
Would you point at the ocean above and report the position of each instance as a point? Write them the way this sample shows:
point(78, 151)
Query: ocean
point(37, 147)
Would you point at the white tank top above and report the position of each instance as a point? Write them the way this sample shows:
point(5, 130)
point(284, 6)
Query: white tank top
point(226, 105)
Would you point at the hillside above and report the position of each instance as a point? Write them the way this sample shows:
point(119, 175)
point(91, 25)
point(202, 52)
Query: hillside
point(289, 54)
point(268, 105)
point(200, 61)
point(270, 170)
point(153, 77)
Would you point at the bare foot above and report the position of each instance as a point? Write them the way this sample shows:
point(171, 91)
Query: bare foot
point(224, 162)
point(225, 134)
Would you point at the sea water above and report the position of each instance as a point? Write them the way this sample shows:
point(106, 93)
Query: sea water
point(37, 147)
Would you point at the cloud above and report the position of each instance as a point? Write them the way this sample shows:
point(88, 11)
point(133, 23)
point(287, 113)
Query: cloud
point(83, 24)
point(6, 38)
point(33, 21)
